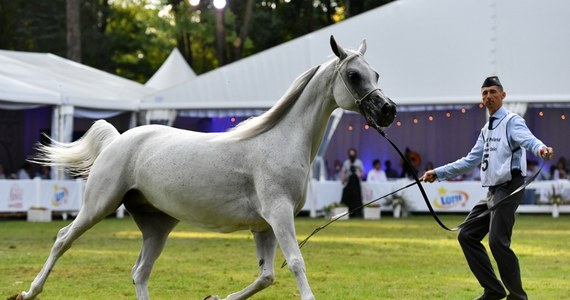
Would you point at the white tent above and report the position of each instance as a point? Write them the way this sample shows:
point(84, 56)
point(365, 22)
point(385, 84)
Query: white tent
point(174, 70)
point(41, 78)
point(426, 51)
point(29, 80)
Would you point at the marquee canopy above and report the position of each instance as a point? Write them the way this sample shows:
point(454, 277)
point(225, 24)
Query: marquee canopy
point(43, 78)
point(426, 51)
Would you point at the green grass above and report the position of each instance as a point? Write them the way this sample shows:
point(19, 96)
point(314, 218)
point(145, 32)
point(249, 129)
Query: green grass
point(408, 258)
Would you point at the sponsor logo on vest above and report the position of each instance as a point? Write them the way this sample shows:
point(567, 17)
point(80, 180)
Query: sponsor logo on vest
point(449, 199)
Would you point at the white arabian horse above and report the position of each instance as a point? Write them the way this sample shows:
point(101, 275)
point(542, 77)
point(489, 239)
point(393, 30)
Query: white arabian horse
point(253, 177)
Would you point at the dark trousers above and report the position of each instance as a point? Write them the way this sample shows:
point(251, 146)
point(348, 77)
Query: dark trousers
point(499, 225)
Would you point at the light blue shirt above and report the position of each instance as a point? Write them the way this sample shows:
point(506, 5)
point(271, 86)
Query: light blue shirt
point(519, 136)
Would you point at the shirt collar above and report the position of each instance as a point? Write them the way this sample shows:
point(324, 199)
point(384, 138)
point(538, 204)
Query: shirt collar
point(500, 113)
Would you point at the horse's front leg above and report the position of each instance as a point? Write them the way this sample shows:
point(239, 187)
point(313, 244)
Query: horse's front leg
point(266, 245)
point(281, 220)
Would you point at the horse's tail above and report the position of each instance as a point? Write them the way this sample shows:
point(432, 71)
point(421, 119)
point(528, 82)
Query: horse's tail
point(78, 157)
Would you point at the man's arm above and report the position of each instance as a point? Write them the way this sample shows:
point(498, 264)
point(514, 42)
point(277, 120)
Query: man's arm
point(521, 135)
point(458, 167)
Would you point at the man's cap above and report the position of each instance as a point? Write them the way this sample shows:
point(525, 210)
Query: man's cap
point(491, 81)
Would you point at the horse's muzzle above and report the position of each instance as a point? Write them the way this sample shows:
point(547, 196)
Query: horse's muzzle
point(379, 111)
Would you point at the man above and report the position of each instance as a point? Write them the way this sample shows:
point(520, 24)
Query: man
point(376, 174)
point(500, 149)
point(390, 173)
point(350, 176)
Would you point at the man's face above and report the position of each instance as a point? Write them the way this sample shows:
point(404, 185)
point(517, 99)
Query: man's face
point(492, 97)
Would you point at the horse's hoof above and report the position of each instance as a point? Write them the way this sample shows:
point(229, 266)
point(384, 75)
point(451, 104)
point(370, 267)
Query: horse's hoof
point(210, 297)
point(16, 297)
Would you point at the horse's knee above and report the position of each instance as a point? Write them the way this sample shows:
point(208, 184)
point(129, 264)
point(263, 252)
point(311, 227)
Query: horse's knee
point(296, 265)
point(266, 280)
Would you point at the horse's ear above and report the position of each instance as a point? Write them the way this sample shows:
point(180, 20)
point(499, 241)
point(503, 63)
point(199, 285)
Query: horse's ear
point(338, 51)
point(362, 47)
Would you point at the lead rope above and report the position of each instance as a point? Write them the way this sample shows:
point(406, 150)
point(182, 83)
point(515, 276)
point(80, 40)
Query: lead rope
point(468, 220)
point(424, 195)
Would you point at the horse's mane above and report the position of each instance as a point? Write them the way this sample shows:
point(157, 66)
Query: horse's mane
point(258, 125)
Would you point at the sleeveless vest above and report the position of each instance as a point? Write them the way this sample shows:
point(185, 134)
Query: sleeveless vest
point(499, 157)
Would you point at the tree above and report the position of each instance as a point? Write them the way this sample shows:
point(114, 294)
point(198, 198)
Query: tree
point(132, 38)
point(72, 8)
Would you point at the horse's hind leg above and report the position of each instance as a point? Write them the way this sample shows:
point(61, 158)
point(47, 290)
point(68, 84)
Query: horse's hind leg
point(265, 243)
point(155, 227)
point(65, 238)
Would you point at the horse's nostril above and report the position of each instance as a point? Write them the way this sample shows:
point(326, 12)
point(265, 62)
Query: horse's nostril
point(388, 109)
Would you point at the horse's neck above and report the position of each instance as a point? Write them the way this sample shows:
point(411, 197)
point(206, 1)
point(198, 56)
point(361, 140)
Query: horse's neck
point(306, 122)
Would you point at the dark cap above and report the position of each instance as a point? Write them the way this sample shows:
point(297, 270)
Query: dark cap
point(491, 81)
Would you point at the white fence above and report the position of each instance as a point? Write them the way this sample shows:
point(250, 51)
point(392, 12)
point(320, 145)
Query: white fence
point(67, 195)
point(446, 196)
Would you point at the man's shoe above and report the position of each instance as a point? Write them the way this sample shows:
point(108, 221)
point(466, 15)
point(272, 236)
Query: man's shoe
point(487, 296)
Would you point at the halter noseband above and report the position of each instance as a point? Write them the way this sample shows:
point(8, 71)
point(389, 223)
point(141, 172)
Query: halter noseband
point(338, 66)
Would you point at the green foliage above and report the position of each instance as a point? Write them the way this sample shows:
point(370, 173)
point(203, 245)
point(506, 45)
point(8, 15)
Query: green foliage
point(132, 38)
point(138, 37)
point(390, 258)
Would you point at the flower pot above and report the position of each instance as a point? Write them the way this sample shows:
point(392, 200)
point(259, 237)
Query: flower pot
point(335, 212)
point(39, 215)
point(372, 213)
point(397, 211)
point(555, 211)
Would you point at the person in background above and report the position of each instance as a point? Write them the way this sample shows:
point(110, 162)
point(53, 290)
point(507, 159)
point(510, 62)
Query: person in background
point(500, 149)
point(532, 168)
point(351, 175)
point(530, 195)
point(390, 173)
point(376, 174)
point(25, 172)
point(336, 172)
point(2, 172)
point(559, 171)
point(44, 172)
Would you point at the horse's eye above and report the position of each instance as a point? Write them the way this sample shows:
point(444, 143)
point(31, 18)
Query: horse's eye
point(352, 75)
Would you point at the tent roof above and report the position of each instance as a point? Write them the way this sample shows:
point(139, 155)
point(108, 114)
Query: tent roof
point(173, 70)
point(45, 78)
point(426, 51)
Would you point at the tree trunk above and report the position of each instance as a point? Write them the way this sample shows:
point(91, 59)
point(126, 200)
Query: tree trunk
point(220, 37)
point(73, 30)
point(244, 29)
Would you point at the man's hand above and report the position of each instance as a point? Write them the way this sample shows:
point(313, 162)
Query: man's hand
point(546, 152)
point(429, 176)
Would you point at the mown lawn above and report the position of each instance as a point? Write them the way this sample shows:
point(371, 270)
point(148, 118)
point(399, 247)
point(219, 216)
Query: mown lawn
point(409, 258)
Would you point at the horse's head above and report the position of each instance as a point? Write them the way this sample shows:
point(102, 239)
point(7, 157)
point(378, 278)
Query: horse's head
point(356, 87)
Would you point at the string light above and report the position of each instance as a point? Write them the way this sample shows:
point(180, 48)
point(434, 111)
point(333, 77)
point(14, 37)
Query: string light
point(430, 118)
point(416, 121)
point(448, 114)
point(563, 117)
point(366, 127)
point(398, 123)
point(480, 105)
point(541, 113)
point(463, 110)
point(349, 128)
point(194, 2)
point(233, 120)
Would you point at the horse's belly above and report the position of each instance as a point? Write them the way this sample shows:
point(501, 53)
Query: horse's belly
point(218, 207)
